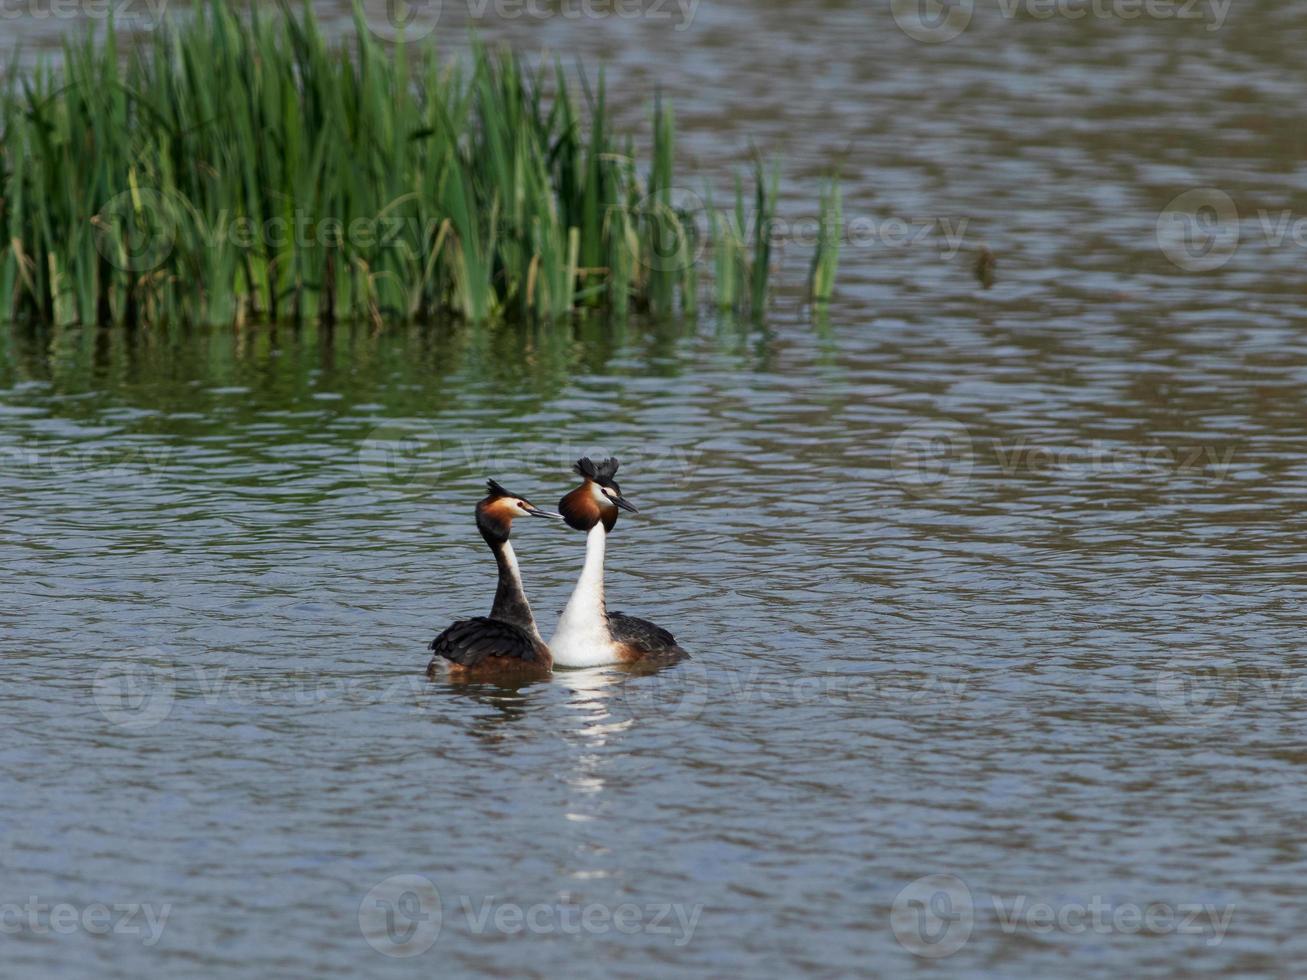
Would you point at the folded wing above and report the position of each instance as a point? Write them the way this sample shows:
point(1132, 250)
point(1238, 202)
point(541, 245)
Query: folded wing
point(644, 636)
point(475, 642)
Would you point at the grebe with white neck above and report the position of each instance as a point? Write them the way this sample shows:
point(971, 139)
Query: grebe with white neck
point(588, 635)
point(506, 641)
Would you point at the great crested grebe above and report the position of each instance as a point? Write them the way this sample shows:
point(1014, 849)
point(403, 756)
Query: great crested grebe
point(507, 640)
point(588, 635)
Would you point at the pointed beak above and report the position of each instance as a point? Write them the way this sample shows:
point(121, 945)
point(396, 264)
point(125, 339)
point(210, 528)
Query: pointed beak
point(625, 504)
point(537, 512)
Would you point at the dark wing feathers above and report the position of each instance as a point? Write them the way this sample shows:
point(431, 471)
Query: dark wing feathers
point(469, 642)
point(643, 635)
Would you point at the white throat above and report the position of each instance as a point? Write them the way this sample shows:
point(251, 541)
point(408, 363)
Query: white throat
point(582, 638)
point(510, 562)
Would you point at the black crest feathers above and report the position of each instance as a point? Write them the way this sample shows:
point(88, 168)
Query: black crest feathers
point(602, 473)
point(495, 490)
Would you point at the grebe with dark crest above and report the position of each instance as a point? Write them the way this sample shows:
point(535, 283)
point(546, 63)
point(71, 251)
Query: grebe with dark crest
point(506, 641)
point(588, 635)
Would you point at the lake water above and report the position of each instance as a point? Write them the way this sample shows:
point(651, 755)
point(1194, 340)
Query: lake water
point(995, 596)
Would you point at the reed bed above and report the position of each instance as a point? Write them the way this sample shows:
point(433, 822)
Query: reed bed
point(241, 168)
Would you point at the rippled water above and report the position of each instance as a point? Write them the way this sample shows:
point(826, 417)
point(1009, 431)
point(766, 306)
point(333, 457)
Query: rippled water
point(996, 589)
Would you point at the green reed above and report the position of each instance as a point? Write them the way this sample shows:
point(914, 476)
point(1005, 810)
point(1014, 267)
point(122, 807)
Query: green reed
point(826, 258)
point(742, 248)
point(730, 253)
point(242, 168)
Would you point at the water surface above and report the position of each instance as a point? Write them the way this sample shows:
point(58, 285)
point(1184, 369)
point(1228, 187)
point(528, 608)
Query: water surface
point(1003, 586)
